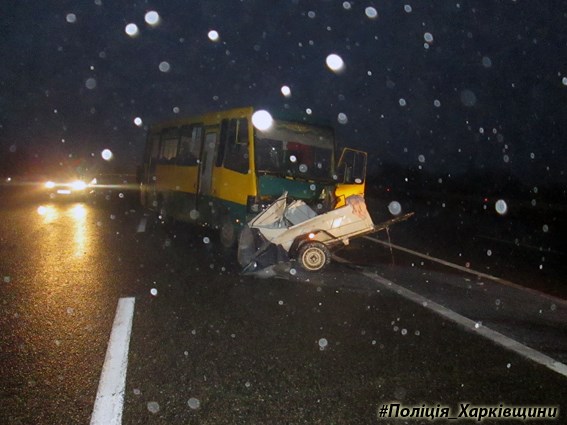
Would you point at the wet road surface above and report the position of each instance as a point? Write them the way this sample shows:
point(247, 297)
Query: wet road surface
point(211, 346)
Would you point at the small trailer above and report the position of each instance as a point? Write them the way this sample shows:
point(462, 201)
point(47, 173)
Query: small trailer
point(283, 232)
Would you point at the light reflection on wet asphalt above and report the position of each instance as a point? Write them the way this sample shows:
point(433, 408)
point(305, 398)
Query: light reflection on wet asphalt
point(68, 263)
point(58, 294)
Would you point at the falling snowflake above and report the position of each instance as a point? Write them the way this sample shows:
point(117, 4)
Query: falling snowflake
point(371, 12)
point(335, 62)
point(153, 407)
point(194, 403)
point(131, 30)
point(213, 35)
point(152, 18)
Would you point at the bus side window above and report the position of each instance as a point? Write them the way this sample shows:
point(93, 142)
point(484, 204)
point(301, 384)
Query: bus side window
point(188, 152)
point(235, 141)
point(154, 152)
point(169, 144)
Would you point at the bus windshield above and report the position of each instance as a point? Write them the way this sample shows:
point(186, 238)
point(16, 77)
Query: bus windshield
point(295, 150)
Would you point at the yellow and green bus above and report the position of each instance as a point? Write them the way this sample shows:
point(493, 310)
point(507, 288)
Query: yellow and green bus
point(219, 169)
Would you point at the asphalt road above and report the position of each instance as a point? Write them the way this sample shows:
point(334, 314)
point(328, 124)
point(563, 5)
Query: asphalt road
point(211, 346)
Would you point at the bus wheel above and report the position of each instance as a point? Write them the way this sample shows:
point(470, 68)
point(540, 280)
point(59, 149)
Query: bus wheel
point(228, 233)
point(314, 256)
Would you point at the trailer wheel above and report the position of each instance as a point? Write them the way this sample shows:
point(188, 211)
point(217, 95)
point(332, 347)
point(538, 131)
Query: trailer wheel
point(314, 256)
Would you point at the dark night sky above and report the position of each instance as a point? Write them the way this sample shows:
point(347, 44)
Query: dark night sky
point(489, 92)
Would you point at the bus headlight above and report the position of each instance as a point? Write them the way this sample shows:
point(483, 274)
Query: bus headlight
point(49, 185)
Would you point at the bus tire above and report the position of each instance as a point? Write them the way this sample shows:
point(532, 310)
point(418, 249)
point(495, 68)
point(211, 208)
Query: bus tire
point(313, 256)
point(228, 234)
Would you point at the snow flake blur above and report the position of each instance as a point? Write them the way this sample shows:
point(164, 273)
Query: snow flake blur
point(501, 207)
point(262, 120)
point(395, 208)
point(194, 403)
point(131, 30)
point(286, 91)
point(152, 18)
point(90, 83)
point(153, 407)
point(335, 63)
point(106, 154)
point(371, 12)
point(213, 35)
point(468, 98)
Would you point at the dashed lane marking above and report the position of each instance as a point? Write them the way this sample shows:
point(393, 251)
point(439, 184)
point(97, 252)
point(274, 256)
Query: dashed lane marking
point(110, 395)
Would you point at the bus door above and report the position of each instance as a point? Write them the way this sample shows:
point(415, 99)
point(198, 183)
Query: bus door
point(207, 162)
point(351, 171)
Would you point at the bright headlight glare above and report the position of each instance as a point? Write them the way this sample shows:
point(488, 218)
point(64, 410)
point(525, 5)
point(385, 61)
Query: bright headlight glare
point(49, 185)
point(78, 185)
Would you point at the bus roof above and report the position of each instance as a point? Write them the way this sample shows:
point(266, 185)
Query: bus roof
point(212, 118)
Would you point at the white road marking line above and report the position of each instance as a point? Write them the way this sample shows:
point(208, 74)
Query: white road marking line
point(473, 326)
point(142, 225)
point(110, 395)
point(471, 271)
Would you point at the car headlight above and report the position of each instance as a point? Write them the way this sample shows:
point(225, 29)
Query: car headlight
point(49, 185)
point(78, 185)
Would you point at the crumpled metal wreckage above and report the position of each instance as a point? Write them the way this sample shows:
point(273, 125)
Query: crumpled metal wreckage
point(284, 232)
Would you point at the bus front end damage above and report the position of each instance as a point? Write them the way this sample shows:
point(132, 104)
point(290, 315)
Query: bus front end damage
point(293, 231)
